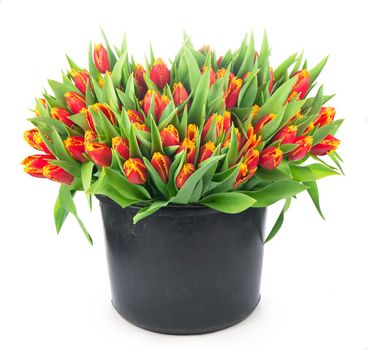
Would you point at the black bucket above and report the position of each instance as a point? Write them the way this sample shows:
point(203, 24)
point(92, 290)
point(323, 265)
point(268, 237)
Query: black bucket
point(184, 269)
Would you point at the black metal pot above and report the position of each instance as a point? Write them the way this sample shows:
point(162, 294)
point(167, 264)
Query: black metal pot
point(184, 269)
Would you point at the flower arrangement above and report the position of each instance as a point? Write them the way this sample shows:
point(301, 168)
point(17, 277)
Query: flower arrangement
point(227, 132)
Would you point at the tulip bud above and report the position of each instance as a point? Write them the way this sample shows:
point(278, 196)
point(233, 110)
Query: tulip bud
point(212, 75)
point(325, 116)
point(33, 165)
point(101, 60)
point(271, 80)
point(187, 170)
point(227, 141)
point(36, 110)
point(206, 151)
point(252, 159)
point(190, 148)
point(179, 94)
point(221, 72)
point(304, 146)
point(105, 109)
point(170, 136)
point(135, 171)
point(204, 49)
point(309, 128)
point(121, 146)
point(254, 110)
point(192, 131)
point(287, 134)
point(58, 174)
point(233, 91)
point(148, 99)
point(248, 167)
point(227, 121)
point(264, 121)
point(164, 101)
point(301, 85)
point(160, 74)
point(253, 140)
point(75, 101)
point(81, 79)
point(162, 165)
point(75, 146)
point(141, 127)
point(270, 157)
point(135, 116)
point(29, 137)
point(62, 115)
point(89, 136)
point(99, 153)
point(139, 79)
point(328, 144)
point(34, 139)
point(214, 118)
point(219, 61)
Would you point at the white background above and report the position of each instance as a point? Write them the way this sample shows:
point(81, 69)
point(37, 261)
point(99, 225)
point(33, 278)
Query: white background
point(54, 290)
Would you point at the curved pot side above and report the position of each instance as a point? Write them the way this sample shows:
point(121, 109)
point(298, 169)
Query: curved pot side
point(184, 270)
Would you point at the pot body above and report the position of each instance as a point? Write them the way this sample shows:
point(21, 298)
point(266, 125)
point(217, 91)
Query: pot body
point(184, 269)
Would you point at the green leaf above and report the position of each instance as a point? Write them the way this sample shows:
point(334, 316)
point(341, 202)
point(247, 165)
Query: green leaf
point(184, 194)
point(146, 211)
point(109, 93)
point(66, 201)
point(193, 67)
point(86, 176)
point(278, 224)
point(311, 172)
point(314, 194)
point(315, 71)
point(160, 184)
point(282, 69)
point(275, 103)
point(60, 214)
point(198, 108)
point(275, 192)
point(230, 202)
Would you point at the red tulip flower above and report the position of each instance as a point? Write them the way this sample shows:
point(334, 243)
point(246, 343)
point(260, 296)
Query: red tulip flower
point(206, 151)
point(179, 94)
point(75, 101)
point(81, 79)
point(192, 132)
point(162, 165)
point(170, 136)
point(190, 148)
point(233, 91)
point(328, 144)
point(301, 85)
point(139, 79)
point(33, 165)
point(121, 145)
point(264, 121)
point(135, 171)
point(287, 134)
point(160, 74)
point(62, 115)
point(187, 170)
point(135, 116)
point(304, 146)
point(105, 109)
point(101, 60)
point(99, 153)
point(325, 116)
point(55, 173)
point(75, 146)
point(270, 157)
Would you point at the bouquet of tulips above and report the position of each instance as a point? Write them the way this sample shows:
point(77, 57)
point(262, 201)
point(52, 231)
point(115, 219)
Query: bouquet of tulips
point(227, 132)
